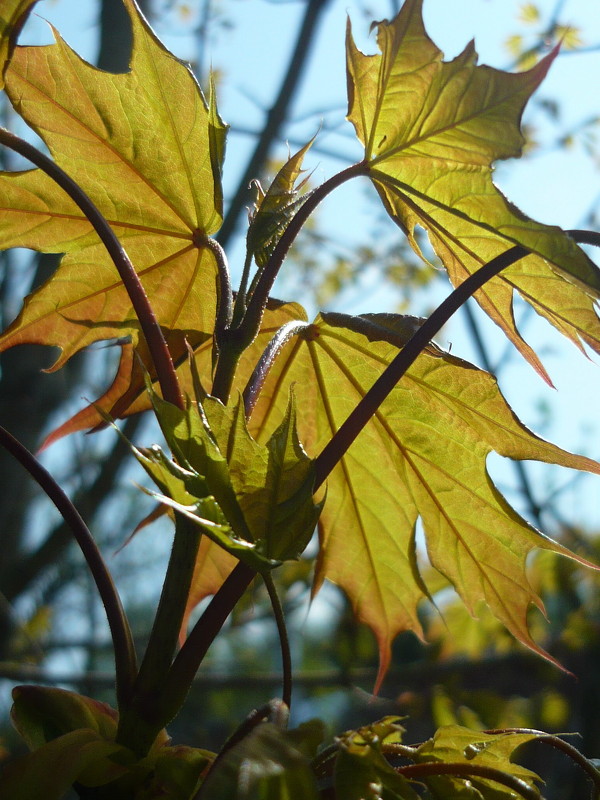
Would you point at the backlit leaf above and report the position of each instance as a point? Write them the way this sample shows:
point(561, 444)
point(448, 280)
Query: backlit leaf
point(431, 131)
point(60, 725)
point(361, 770)
point(186, 491)
point(42, 713)
point(529, 13)
point(147, 149)
point(423, 456)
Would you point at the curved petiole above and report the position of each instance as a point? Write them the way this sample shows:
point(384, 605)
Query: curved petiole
point(266, 361)
point(286, 656)
point(125, 656)
point(256, 303)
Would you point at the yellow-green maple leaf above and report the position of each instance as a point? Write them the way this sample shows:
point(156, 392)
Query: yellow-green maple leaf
point(457, 745)
point(431, 131)
point(423, 456)
point(147, 149)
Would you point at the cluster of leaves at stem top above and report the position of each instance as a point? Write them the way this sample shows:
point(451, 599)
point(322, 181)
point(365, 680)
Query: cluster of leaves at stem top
point(255, 501)
point(148, 149)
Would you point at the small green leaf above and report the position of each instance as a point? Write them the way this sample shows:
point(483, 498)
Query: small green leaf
point(457, 745)
point(176, 772)
point(259, 496)
point(186, 492)
point(570, 37)
point(41, 714)
point(274, 208)
point(529, 13)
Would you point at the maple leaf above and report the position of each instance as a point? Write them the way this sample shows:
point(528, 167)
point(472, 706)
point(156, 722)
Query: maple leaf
point(147, 148)
point(431, 131)
point(422, 456)
point(458, 745)
point(361, 765)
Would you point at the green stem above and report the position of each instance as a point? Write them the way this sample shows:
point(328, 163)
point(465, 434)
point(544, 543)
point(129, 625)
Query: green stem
point(286, 656)
point(433, 770)
point(149, 710)
point(124, 649)
point(230, 348)
point(183, 670)
point(153, 334)
point(240, 300)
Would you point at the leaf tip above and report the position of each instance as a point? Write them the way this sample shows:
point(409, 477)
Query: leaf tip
point(385, 658)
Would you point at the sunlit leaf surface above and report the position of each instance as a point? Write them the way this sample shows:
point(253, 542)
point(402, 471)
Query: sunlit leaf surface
point(431, 131)
point(458, 745)
point(146, 147)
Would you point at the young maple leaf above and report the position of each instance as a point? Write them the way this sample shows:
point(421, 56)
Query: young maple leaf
point(431, 131)
point(147, 149)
